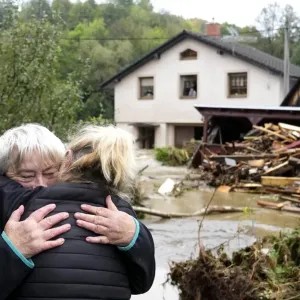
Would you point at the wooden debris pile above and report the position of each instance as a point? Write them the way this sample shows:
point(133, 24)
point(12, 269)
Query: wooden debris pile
point(267, 270)
point(267, 151)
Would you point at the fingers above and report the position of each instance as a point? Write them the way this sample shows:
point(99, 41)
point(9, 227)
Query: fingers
point(53, 220)
point(53, 244)
point(97, 240)
point(97, 220)
point(41, 213)
point(17, 214)
point(98, 211)
point(110, 204)
point(92, 227)
point(52, 233)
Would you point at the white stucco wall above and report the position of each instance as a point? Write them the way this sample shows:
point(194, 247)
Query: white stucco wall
point(264, 89)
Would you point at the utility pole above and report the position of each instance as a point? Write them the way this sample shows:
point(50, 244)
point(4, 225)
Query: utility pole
point(286, 79)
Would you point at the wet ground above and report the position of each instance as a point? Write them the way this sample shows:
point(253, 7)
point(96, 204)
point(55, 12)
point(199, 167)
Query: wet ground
point(177, 239)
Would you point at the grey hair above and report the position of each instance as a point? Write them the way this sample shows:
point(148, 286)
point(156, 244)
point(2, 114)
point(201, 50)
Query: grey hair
point(26, 139)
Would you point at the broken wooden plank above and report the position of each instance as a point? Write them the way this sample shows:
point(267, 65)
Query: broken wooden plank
point(290, 135)
point(278, 181)
point(272, 204)
point(258, 163)
point(287, 147)
point(294, 162)
point(296, 134)
point(248, 191)
point(247, 147)
point(252, 137)
point(281, 191)
point(287, 198)
point(241, 157)
point(279, 169)
point(291, 209)
point(249, 185)
point(270, 132)
point(289, 127)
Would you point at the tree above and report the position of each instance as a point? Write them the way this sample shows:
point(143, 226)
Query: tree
point(31, 89)
point(38, 9)
point(63, 8)
point(80, 13)
point(291, 20)
point(125, 3)
point(145, 5)
point(272, 21)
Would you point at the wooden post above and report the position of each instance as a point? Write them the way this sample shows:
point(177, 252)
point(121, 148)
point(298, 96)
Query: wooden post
point(205, 129)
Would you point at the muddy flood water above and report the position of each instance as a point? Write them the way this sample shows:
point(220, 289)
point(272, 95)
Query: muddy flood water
point(177, 239)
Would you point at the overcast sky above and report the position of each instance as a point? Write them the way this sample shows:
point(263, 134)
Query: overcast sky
point(239, 12)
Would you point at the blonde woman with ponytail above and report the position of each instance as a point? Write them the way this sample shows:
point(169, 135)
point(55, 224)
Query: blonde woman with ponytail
point(94, 262)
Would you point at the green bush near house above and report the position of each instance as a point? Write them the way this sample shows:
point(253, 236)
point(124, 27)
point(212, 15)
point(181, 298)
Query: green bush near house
point(170, 156)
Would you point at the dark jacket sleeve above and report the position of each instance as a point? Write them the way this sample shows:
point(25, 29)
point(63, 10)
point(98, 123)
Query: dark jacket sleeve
point(12, 196)
point(140, 262)
point(13, 270)
point(140, 259)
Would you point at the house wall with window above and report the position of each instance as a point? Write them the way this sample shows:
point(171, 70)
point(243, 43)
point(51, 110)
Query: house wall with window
point(182, 78)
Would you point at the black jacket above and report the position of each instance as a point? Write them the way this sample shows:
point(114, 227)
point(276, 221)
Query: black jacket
point(77, 269)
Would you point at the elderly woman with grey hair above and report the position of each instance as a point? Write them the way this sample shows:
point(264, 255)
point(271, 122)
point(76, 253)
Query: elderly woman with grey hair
point(99, 162)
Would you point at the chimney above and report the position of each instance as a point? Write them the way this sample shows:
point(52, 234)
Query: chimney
point(213, 29)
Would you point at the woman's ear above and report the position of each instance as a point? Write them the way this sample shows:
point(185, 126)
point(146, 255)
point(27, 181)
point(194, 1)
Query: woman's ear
point(69, 158)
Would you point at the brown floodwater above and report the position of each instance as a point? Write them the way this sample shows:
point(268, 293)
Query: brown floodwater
point(177, 239)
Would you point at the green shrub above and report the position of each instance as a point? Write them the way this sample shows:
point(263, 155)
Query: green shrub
point(172, 156)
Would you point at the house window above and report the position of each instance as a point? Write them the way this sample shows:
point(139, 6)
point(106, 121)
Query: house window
point(146, 88)
point(188, 54)
point(188, 86)
point(237, 84)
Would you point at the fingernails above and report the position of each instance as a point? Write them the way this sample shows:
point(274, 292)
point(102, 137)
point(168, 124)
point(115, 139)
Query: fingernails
point(79, 222)
point(68, 226)
point(84, 206)
point(77, 215)
point(52, 206)
point(61, 241)
point(88, 239)
point(65, 215)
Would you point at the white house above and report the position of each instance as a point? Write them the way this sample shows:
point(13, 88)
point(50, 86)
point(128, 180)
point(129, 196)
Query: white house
point(155, 96)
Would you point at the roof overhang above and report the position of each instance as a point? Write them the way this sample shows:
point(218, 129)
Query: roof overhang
point(292, 113)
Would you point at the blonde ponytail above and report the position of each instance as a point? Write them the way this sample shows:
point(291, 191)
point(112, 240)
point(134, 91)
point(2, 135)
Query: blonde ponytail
point(106, 149)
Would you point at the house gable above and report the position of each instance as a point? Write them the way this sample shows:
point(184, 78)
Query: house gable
point(246, 53)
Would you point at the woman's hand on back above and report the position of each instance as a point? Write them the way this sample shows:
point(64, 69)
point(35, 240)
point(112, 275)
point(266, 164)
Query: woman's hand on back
point(35, 234)
point(114, 226)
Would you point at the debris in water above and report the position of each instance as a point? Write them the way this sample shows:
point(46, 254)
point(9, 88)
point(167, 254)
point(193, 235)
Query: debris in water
point(167, 187)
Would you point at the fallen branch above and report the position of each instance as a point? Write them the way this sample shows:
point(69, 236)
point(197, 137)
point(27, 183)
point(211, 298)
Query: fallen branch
point(202, 220)
point(142, 170)
point(204, 211)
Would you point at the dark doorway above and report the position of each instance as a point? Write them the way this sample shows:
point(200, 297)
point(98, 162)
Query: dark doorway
point(146, 137)
point(198, 133)
point(227, 129)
